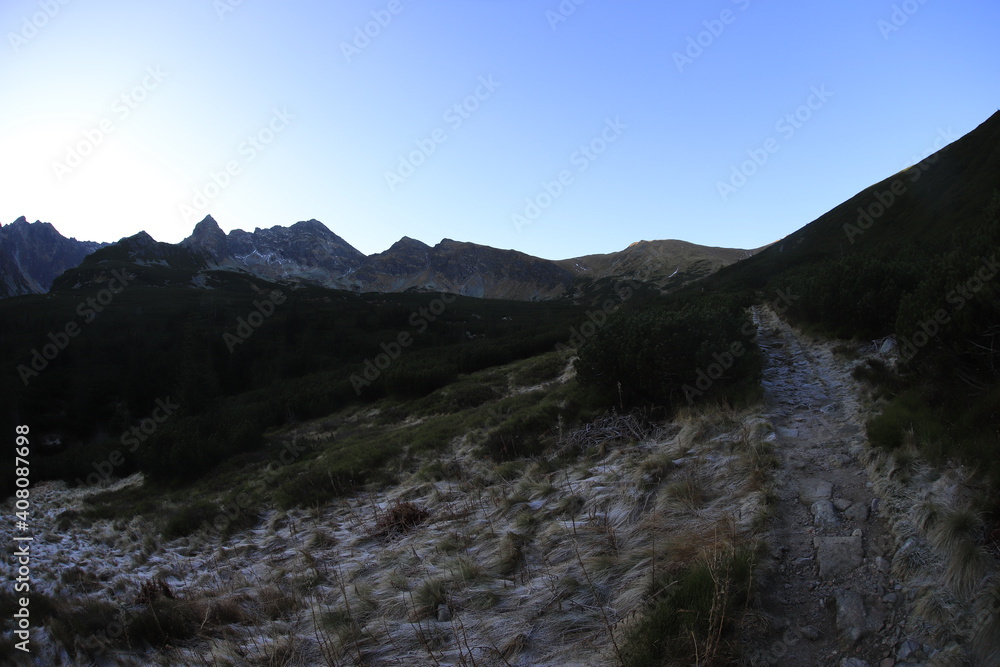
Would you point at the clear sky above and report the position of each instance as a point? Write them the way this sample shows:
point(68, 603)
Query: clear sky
point(598, 124)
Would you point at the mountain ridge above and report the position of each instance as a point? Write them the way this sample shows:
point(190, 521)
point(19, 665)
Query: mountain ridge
point(308, 252)
point(34, 254)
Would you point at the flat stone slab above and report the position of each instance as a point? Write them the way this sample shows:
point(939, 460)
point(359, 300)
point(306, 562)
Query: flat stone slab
point(813, 490)
point(851, 617)
point(838, 556)
point(824, 516)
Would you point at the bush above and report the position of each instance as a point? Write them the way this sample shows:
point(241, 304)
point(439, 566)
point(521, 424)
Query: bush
point(540, 369)
point(691, 611)
point(190, 518)
point(523, 434)
point(667, 358)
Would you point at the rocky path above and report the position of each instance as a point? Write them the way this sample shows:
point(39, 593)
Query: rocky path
point(829, 591)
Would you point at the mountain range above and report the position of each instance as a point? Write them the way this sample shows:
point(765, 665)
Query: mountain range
point(33, 255)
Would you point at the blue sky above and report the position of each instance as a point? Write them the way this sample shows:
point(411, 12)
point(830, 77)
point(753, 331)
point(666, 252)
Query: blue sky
point(580, 128)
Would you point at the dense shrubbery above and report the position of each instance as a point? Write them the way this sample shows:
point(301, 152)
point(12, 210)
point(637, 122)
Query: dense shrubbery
point(672, 357)
point(170, 344)
point(851, 295)
point(947, 400)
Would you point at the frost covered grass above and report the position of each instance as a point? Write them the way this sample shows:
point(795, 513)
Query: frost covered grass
point(442, 555)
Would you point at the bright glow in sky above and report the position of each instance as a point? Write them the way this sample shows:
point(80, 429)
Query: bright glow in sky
point(599, 126)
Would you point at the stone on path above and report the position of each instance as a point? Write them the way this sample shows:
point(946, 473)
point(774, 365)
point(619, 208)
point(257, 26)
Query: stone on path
point(851, 618)
point(812, 490)
point(838, 556)
point(858, 512)
point(853, 662)
point(824, 516)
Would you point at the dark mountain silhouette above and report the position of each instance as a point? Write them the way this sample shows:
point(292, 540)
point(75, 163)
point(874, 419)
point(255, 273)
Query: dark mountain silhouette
point(33, 254)
point(309, 253)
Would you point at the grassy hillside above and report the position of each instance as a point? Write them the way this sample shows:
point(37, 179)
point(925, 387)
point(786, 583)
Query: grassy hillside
point(85, 367)
point(913, 257)
point(923, 206)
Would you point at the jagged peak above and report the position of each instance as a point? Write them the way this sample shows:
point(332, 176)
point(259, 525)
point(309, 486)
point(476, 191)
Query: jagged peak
point(207, 227)
point(207, 222)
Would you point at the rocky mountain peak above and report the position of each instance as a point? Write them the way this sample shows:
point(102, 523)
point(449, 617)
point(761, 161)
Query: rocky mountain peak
point(312, 225)
point(208, 238)
point(33, 254)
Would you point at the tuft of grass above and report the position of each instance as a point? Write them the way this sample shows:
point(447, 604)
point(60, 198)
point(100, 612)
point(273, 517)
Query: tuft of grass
point(276, 603)
point(956, 528)
point(927, 514)
point(986, 640)
point(690, 491)
point(430, 595)
point(165, 621)
point(453, 542)
point(483, 600)
point(937, 606)
point(438, 471)
point(904, 460)
point(967, 566)
point(508, 471)
point(468, 571)
point(693, 612)
point(511, 555)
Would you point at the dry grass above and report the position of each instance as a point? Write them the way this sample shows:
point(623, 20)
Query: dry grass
point(399, 518)
point(540, 562)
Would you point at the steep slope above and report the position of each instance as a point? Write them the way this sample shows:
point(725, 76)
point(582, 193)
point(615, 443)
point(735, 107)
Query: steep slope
point(928, 202)
point(33, 254)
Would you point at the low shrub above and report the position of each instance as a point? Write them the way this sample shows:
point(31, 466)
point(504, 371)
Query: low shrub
point(691, 613)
